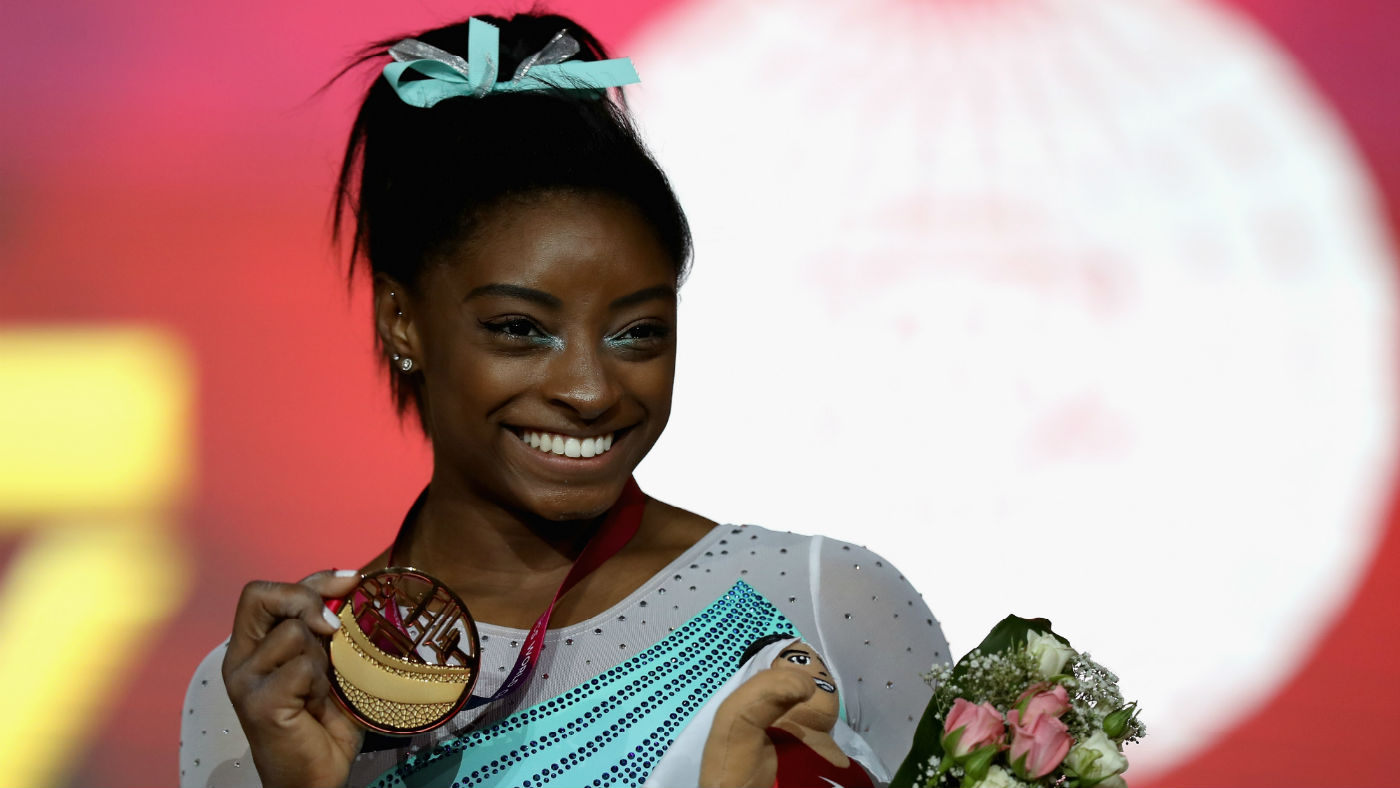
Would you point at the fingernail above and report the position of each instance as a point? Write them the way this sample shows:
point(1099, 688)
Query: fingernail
point(347, 573)
point(331, 618)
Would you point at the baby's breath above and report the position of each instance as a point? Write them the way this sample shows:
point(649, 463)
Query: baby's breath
point(993, 678)
point(927, 772)
point(1093, 695)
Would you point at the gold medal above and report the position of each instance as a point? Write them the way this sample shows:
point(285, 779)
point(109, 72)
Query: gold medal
point(406, 655)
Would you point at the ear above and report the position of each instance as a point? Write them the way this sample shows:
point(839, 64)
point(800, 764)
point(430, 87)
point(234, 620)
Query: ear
point(394, 319)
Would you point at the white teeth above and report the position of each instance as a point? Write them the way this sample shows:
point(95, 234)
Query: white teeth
point(566, 445)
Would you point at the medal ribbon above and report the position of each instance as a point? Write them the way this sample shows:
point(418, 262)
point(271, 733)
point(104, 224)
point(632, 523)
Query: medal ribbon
point(619, 526)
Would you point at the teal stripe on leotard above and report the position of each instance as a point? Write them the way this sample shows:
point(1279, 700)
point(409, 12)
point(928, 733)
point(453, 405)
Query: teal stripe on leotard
point(612, 729)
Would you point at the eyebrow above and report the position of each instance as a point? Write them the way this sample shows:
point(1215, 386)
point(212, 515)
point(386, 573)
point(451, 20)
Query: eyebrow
point(793, 651)
point(515, 291)
point(501, 289)
point(647, 294)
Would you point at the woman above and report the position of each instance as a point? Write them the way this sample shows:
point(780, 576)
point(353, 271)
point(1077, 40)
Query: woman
point(525, 253)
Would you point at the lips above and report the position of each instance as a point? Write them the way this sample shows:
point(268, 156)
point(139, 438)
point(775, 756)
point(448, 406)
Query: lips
point(824, 686)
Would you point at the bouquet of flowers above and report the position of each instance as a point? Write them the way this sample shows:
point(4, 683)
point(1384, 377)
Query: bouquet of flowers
point(1022, 709)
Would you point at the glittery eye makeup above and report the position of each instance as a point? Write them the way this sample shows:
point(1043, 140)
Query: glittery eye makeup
point(522, 331)
point(645, 335)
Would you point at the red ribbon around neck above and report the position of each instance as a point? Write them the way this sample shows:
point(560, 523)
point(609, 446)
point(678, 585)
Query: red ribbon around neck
point(619, 526)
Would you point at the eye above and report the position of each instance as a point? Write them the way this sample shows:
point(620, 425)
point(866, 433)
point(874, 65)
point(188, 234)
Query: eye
point(644, 331)
point(515, 329)
point(640, 335)
point(518, 327)
point(799, 659)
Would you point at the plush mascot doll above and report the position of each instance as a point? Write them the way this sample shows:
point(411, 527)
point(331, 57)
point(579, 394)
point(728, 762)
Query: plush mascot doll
point(775, 728)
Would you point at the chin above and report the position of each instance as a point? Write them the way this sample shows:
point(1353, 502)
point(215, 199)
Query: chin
point(564, 504)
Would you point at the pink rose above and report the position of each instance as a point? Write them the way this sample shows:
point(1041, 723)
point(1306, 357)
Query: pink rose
point(971, 726)
point(1038, 747)
point(1042, 700)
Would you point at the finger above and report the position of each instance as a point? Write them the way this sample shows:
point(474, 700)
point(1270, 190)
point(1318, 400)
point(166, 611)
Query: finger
point(320, 689)
point(341, 726)
point(319, 693)
point(264, 604)
point(323, 706)
point(286, 691)
point(332, 583)
point(287, 641)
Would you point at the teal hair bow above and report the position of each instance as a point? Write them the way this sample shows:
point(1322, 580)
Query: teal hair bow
point(450, 76)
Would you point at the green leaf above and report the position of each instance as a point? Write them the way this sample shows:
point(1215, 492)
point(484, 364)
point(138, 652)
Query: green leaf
point(1008, 635)
point(950, 742)
point(1011, 633)
point(925, 747)
point(976, 764)
point(1018, 767)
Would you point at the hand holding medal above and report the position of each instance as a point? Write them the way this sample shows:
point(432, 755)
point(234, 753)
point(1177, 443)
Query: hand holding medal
point(275, 671)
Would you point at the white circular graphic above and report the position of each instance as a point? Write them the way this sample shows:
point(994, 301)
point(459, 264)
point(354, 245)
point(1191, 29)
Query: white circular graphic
point(1072, 308)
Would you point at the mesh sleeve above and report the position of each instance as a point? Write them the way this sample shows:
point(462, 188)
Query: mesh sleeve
point(877, 636)
point(213, 750)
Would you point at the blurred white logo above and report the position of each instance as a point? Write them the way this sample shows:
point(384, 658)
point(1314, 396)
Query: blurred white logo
point(1079, 303)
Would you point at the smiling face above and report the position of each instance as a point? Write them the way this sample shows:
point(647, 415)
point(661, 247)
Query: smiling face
point(547, 349)
point(820, 711)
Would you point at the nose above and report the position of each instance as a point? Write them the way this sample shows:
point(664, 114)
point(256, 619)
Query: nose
point(583, 382)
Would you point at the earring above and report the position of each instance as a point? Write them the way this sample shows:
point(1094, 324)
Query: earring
point(406, 364)
point(398, 312)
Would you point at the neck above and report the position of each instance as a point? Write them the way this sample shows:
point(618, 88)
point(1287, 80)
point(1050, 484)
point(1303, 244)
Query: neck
point(481, 548)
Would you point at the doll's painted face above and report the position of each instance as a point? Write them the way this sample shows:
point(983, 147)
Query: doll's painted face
point(820, 711)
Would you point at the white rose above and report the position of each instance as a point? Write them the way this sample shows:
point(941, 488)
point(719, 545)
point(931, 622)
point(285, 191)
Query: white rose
point(997, 777)
point(1049, 652)
point(1095, 759)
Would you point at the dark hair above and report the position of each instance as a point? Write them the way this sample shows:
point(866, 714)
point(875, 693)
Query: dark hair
point(415, 182)
point(761, 644)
